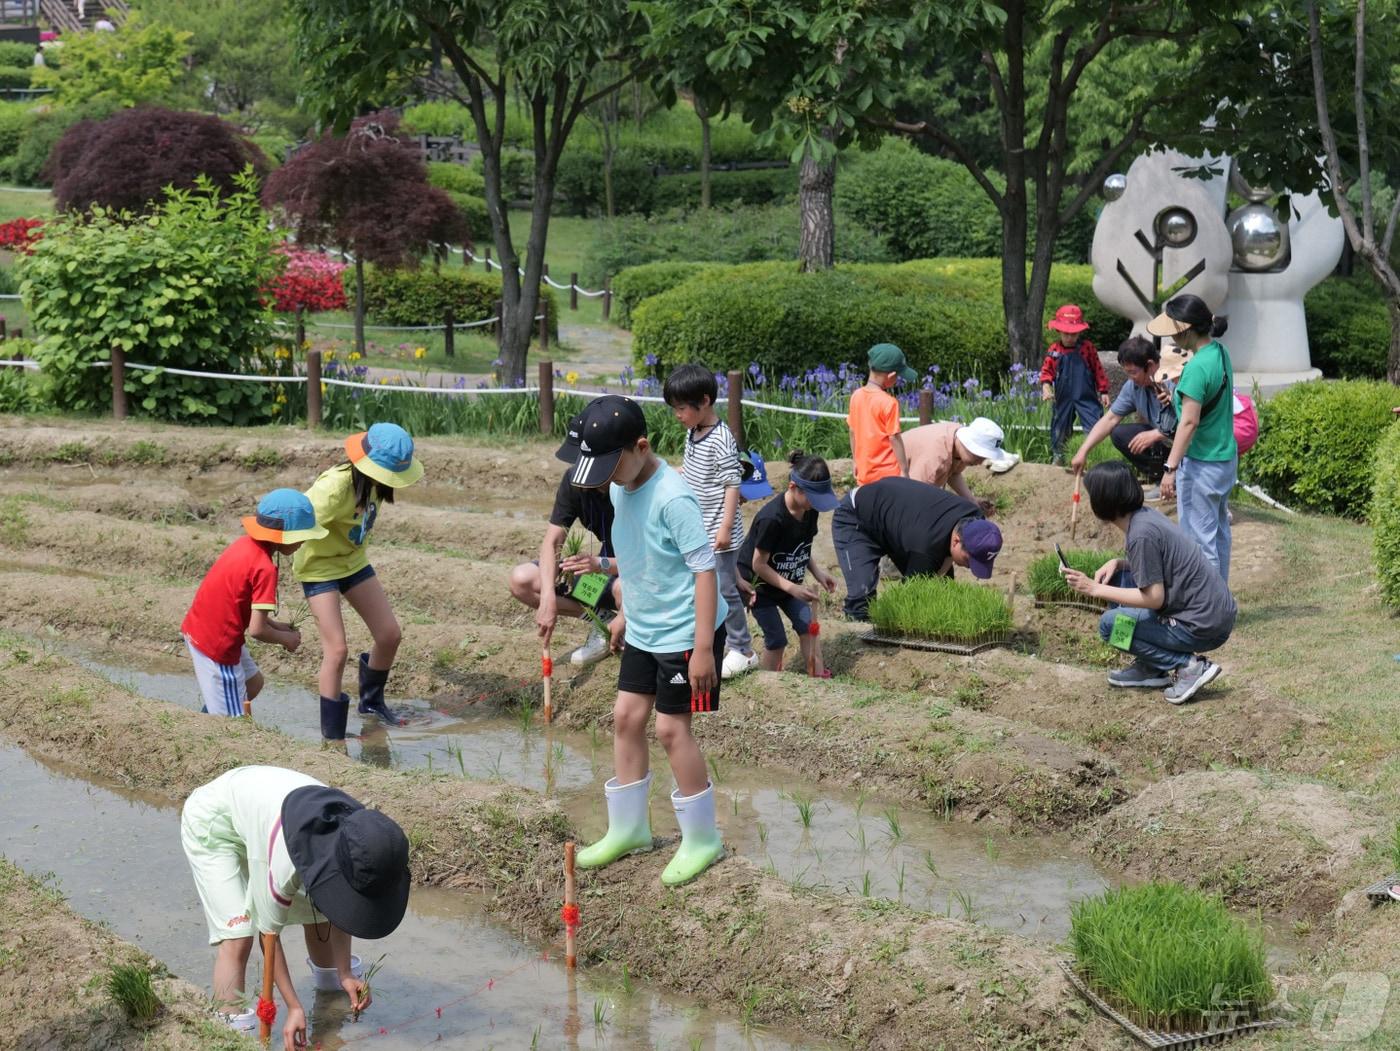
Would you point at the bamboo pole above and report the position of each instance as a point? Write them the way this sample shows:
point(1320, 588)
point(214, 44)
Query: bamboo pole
point(813, 630)
point(269, 945)
point(571, 910)
point(547, 674)
point(1074, 506)
point(247, 709)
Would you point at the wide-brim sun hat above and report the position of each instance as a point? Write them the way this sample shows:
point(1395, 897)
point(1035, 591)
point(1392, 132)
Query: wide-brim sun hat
point(1069, 318)
point(1167, 326)
point(284, 516)
point(983, 438)
point(353, 861)
point(385, 453)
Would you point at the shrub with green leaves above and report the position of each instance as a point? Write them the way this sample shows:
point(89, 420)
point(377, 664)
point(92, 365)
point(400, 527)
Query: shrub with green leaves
point(718, 235)
point(16, 54)
point(1385, 515)
point(1317, 442)
point(1348, 328)
point(637, 283)
point(944, 312)
point(421, 296)
point(456, 177)
point(1169, 957)
point(179, 288)
point(940, 609)
point(1044, 579)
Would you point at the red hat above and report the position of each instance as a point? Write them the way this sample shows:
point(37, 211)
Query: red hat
point(1069, 318)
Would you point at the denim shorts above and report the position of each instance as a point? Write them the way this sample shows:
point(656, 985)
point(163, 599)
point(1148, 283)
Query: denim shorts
point(765, 611)
point(312, 588)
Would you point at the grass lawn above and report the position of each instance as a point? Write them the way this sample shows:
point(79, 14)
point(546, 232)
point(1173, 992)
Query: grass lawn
point(15, 204)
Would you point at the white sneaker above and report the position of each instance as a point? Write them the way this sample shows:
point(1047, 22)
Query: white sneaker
point(735, 663)
point(594, 648)
point(1005, 464)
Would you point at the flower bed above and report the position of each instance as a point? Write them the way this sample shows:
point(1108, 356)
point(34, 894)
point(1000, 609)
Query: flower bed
point(19, 235)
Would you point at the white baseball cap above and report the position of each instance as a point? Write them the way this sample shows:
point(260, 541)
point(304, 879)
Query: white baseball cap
point(983, 438)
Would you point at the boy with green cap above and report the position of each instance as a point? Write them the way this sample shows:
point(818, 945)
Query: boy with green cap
point(671, 614)
point(873, 418)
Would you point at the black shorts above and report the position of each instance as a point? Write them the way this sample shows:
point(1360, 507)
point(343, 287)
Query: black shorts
point(666, 676)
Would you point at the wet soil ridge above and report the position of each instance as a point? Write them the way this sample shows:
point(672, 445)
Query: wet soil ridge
point(870, 972)
point(53, 974)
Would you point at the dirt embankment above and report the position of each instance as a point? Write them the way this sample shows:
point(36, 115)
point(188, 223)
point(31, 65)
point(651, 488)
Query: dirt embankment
point(874, 974)
point(53, 974)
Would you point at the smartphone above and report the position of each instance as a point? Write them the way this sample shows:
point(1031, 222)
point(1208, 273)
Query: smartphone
point(1062, 556)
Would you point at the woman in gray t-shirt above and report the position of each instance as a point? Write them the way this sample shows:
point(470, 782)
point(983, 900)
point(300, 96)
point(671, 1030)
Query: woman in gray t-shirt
point(1167, 602)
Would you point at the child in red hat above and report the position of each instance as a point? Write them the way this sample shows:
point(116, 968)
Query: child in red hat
point(1071, 376)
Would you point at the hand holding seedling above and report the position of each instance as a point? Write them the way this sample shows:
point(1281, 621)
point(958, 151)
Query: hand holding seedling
point(824, 578)
point(802, 593)
point(292, 639)
point(988, 507)
point(359, 994)
point(580, 564)
point(748, 594)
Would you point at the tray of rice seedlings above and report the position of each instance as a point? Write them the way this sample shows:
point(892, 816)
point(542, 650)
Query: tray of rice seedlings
point(936, 613)
point(1049, 587)
point(1379, 892)
point(1170, 965)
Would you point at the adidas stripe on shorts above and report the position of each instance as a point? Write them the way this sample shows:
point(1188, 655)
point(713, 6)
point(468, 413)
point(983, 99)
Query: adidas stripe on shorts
point(224, 687)
point(667, 677)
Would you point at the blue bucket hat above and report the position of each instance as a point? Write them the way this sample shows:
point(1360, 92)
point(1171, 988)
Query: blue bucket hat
point(385, 453)
point(755, 484)
point(284, 516)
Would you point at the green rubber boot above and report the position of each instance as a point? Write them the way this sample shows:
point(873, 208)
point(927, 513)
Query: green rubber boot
point(629, 825)
point(701, 845)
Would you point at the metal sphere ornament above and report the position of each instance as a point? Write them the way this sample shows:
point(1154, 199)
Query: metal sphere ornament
point(1259, 237)
point(1177, 227)
point(1114, 186)
point(1251, 193)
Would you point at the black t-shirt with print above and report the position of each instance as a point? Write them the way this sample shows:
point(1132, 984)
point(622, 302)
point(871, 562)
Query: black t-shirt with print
point(592, 507)
point(787, 540)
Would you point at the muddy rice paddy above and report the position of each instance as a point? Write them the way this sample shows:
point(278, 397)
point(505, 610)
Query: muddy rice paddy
point(904, 840)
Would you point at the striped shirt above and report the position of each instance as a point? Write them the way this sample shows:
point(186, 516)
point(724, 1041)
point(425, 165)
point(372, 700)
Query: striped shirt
point(711, 467)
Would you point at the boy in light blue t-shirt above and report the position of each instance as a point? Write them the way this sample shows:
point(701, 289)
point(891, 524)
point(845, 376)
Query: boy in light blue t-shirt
point(671, 615)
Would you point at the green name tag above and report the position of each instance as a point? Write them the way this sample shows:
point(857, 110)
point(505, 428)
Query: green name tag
point(589, 588)
point(1122, 634)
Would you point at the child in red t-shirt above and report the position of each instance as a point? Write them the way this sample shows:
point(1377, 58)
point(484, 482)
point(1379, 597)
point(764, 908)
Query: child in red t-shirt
point(238, 596)
point(1071, 376)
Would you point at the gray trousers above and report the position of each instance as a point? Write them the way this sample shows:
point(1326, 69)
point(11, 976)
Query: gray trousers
point(736, 621)
point(859, 557)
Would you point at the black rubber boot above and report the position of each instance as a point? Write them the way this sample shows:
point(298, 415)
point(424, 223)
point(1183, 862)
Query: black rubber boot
point(372, 683)
point(333, 717)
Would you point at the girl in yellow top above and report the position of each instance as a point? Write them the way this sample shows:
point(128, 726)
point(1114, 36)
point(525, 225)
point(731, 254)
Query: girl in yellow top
point(346, 499)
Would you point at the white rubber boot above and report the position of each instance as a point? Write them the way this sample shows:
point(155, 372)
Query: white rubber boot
point(327, 979)
point(701, 845)
point(629, 825)
point(246, 1022)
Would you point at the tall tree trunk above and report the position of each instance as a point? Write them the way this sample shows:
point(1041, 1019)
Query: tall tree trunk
point(1023, 333)
point(704, 114)
point(816, 245)
point(1392, 365)
point(360, 305)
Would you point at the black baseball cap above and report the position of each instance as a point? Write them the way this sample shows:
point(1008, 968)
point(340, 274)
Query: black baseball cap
point(353, 861)
point(568, 452)
point(610, 424)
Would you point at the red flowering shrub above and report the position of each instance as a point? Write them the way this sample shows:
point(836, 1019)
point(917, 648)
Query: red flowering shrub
point(311, 281)
point(19, 235)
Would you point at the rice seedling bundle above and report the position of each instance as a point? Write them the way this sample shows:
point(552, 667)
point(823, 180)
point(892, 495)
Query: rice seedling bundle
point(1169, 957)
point(940, 609)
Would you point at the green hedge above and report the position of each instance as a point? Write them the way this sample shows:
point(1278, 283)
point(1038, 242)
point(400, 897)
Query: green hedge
point(637, 283)
point(15, 121)
point(422, 296)
point(1348, 328)
point(946, 312)
point(474, 211)
point(1316, 443)
point(17, 55)
point(1385, 514)
point(16, 78)
point(637, 189)
point(457, 178)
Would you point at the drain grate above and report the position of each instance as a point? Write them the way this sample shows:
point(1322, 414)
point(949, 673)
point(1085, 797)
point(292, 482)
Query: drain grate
point(963, 649)
point(1379, 892)
point(1160, 1041)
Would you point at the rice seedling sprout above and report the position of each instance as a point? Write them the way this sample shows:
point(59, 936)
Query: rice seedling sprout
point(941, 609)
point(130, 986)
point(1047, 583)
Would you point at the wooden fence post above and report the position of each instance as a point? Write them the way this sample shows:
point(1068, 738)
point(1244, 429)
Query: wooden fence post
point(17, 334)
point(2, 329)
point(313, 388)
point(449, 333)
point(736, 408)
point(925, 407)
point(546, 397)
point(573, 297)
point(607, 298)
point(466, 254)
point(118, 383)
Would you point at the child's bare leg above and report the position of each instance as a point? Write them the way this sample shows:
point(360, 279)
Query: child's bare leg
point(325, 607)
point(772, 660)
point(630, 714)
point(369, 600)
point(323, 948)
point(687, 764)
point(254, 685)
point(525, 588)
point(230, 973)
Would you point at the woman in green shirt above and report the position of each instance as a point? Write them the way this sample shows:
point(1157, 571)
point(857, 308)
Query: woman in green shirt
point(1202, 464)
